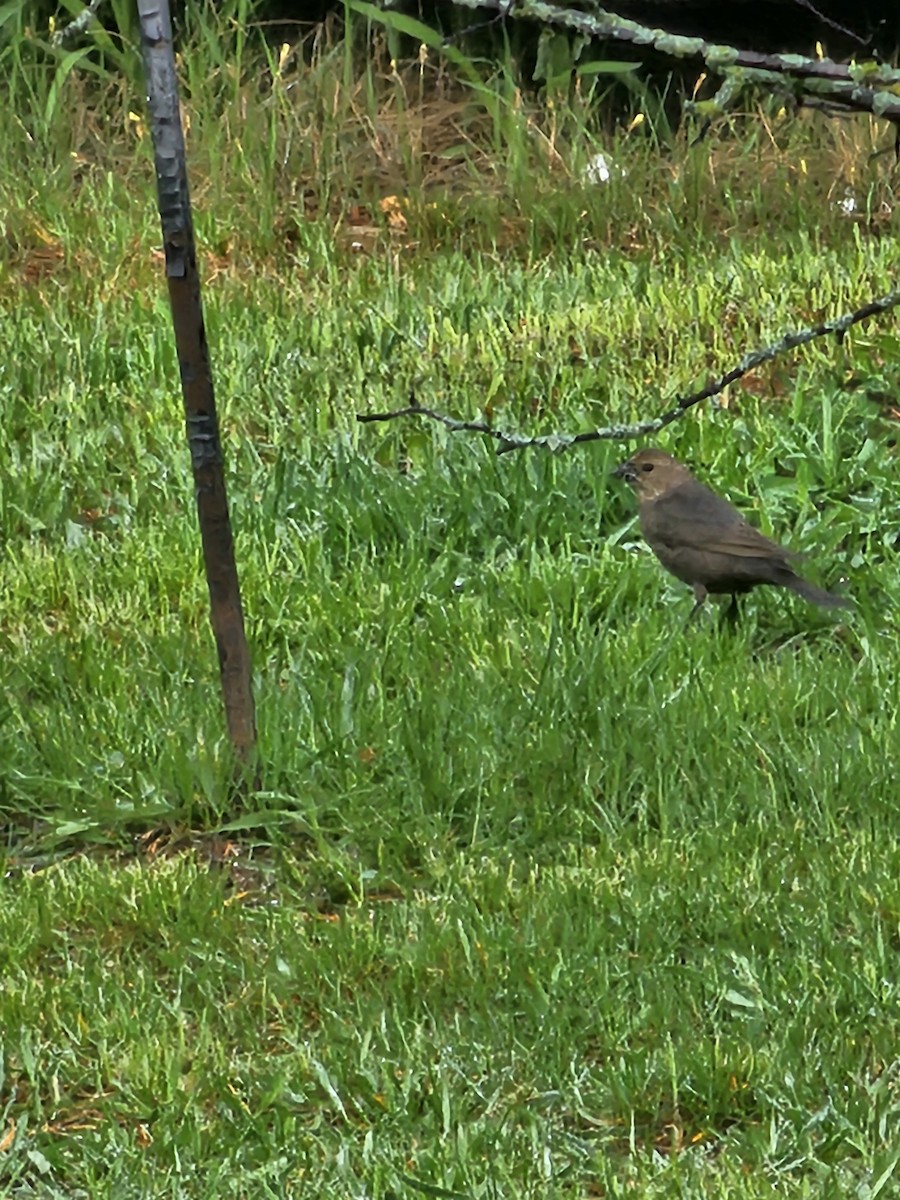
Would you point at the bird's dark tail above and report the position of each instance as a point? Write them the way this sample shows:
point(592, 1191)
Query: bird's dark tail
point(816, 595)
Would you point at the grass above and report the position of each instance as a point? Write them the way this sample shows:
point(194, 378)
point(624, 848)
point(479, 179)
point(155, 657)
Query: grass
point(541, 896)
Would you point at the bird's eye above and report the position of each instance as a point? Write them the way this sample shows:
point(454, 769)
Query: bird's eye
point(646, 466)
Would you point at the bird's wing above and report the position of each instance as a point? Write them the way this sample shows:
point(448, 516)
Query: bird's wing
point(691, 516)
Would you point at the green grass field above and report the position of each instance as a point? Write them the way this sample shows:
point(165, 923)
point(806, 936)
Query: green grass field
point(541, 895)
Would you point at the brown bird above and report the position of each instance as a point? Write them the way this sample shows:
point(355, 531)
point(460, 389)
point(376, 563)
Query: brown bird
point(703, 540)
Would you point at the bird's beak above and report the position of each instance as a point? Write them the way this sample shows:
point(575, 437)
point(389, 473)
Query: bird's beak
point(625, 471)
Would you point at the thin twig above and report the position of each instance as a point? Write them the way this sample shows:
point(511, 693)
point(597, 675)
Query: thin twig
point(415, 409)
point(623, 433)
point(826, 20)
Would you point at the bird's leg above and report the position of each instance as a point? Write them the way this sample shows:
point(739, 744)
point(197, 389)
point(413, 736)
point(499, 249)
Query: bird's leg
point(700, 594)
point(732, 612)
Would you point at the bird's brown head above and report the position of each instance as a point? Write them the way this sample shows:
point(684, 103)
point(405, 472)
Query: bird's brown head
point(652, 472)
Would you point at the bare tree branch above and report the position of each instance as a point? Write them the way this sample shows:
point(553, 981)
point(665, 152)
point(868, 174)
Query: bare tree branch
point(623, 433)
point(861, 86)
point(65, 35)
